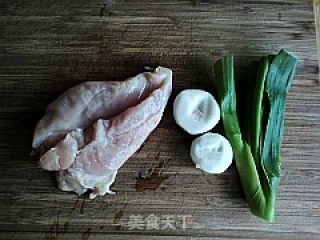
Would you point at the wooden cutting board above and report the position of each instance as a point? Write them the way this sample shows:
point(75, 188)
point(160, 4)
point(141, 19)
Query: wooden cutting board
point(48, 46)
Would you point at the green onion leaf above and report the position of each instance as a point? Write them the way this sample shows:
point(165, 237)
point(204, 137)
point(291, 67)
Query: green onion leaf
point(258, 157)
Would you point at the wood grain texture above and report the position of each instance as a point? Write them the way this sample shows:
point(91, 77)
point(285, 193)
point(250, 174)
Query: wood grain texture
point(48, 46)
point(316, 8)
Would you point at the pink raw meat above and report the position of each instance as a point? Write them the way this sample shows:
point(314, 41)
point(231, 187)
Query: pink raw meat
point(90, 131)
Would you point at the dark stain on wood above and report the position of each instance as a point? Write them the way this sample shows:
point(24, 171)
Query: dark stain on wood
point(57, 229)
point(82, 206)
point(247, 9)
point(86, 234)
point(297, 36)
point(150, 183)
point(65, 227)
point(117, 218)
point(74, 206)
point(153, 179)
point(106, 10)
point(53, 232)
point(198, 3)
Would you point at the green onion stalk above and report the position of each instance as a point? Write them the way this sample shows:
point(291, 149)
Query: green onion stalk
point(257, 150)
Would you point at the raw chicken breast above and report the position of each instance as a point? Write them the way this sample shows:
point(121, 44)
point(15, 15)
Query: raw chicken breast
point(90, 131)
